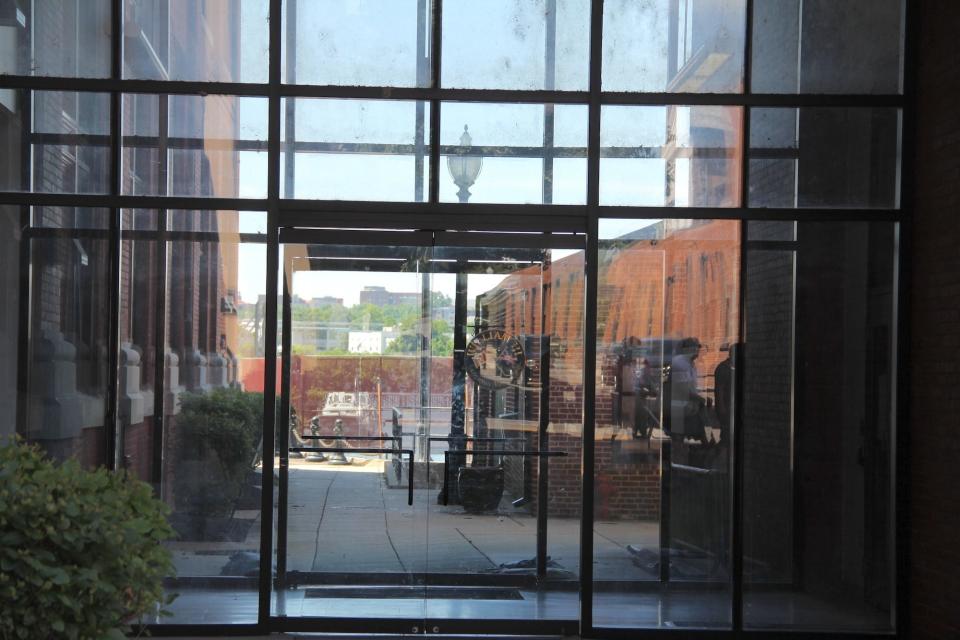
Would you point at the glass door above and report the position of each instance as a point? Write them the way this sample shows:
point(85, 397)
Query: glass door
point(505, 431)
point(429, 468)
point(355, 372)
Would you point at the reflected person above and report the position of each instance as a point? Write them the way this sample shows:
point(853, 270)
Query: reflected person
point(686, 403)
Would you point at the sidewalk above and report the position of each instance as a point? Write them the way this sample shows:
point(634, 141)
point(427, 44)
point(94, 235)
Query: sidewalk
point(345, 519)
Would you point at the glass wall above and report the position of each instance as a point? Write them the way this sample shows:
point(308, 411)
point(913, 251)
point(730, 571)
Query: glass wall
point(185, 145)
point(56, 142)
point(522, 153)
point(675, 156)
point(387, 158)
point(724, 347)
point(65, 38)
point(161, 40)
point(818, 427)
point(190, 400)
point(824, 46)
point(667, 335)
point(64, 367)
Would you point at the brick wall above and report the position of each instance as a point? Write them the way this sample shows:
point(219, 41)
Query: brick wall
point(682, 284)
point(935, 331)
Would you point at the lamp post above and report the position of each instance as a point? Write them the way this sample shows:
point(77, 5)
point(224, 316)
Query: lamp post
point(464, 167)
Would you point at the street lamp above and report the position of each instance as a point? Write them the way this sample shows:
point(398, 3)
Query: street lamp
point(464, 167)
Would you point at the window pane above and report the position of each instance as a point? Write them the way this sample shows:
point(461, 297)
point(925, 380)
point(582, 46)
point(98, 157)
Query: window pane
point(818, 430)
point(55, 141)
point(673, 156)
point(358, 43)
point(184, 145)
point(826, 46)
point(537, 44)
point(513, 153)
point(824, 157)
point(190, 305)
point(214, 40)
point(685, 46)
point(67, 377)
point(667, 326)
point(761, 230)
point(355, 149)
point(56, 38)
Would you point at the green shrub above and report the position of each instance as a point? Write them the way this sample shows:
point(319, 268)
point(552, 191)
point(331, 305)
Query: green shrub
point(80, 551)
point(219, 430)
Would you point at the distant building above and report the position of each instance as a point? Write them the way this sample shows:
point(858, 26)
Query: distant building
point(380, 297)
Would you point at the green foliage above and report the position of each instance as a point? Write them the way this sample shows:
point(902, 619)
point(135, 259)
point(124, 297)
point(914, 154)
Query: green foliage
point(406, 316)
point(80, 551)
point(441, 340)
point(219, 432)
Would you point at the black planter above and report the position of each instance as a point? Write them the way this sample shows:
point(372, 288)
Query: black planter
point(480, 488)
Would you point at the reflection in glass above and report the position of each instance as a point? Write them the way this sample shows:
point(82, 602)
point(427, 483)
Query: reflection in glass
point(530, 153)
point(678, 46)
point(369, 43)
point(67, 350)
point(192, 313)
point(824, 157)
point(355, 149)
point(184, 145)
point(55, 141)
point(56, 38)
point(675, 156)
point(667, 330)
point(202, 40)
point(536, 44)
point(818, 429)
point(826, 46)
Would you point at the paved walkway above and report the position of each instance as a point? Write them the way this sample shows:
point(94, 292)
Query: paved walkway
point(346, 519)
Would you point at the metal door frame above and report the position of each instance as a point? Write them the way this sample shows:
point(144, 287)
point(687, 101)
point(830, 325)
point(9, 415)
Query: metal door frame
point(383, 231)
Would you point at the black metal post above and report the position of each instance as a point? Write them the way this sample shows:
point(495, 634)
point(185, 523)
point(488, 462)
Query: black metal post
point(159, 351)
point(434, 53)
point(457, 438)
point(270, 333)
point(736, 441)
point(160, 310)
point(591, 279)
point(283, 423)
point(426, 341)
point(25, 311)
point(457, 412)
point(666, 457)
point(113, 433)
point(901, 485)
point(543, 480)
